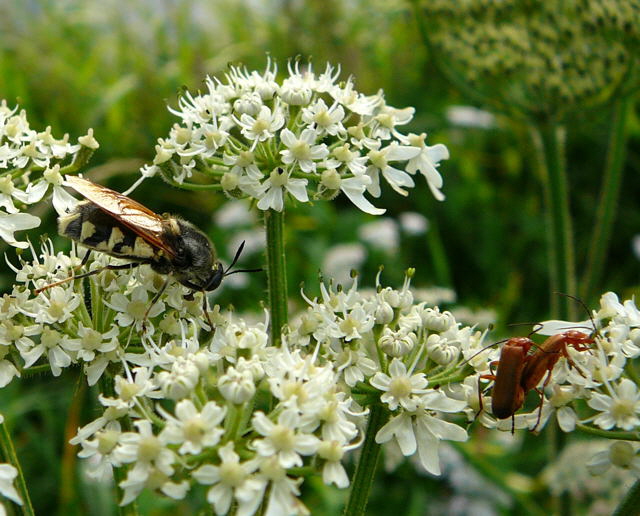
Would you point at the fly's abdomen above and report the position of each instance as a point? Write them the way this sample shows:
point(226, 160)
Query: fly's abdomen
point(90, 226)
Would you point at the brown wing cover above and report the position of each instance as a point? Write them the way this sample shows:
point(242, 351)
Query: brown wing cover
point(140, 219)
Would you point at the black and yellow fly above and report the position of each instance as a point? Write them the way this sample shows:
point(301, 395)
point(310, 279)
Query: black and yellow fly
point(115, 224)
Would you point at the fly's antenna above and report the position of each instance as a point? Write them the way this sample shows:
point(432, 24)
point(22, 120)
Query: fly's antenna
point(228, 272)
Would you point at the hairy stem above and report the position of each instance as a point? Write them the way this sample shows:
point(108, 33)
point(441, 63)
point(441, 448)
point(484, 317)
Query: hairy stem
point(366, 468)
point(276, 273)
point(9, 455)
point(549, 140)
point(609, 194)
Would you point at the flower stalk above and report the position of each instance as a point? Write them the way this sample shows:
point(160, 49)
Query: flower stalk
point(9, 454)
point(549, 142)
point(609, 194)
point(366, 468)
point(631, 503)
point(276, 273)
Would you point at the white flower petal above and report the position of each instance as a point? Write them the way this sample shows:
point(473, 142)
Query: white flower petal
point(9, 223)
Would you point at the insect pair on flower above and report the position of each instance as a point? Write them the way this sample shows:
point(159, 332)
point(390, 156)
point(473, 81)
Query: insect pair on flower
point(520, 370)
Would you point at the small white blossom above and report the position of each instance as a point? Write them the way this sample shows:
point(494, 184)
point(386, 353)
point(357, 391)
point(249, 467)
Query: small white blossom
point(400, 387)
point(194, 429)
point(621, 409)
point(282, 440)
point(232, 479)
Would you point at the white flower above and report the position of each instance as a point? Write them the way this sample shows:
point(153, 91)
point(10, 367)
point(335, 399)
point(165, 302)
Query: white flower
point(355, 365)
point(100, 449)
point(333, 471)
point(181, 380)
point(387, 119)
point(261, 127)
point(282, 440)
point(194, 430)
point(355, 163)
point(423, 431)
point(146, 450)
point(131, 389)
point(8, 192)
point(442, 350)
point(56, 347)
point(326, 120)
point(354, 324)
point(396, 178)
point(274, 187)
point(397, 343)
point(284, 490)
point(132, 311)
point(354, 188)
point(56, 305)
point(138, 478)
point(91, 342)
point(301, 151)
point(400, 388)
point(248, 125)
point(621, 409)
point(232, 479)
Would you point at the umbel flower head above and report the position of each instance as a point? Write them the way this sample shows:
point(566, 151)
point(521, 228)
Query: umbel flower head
point(37, 156)
point(542, 58)
point(307, 137)
point(198, 402)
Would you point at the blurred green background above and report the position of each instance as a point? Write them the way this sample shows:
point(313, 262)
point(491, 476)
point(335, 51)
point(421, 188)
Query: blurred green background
point(115, 66)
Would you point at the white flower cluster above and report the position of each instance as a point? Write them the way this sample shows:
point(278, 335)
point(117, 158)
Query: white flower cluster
point(307, 136)
point(24, 152)
point(228, 410)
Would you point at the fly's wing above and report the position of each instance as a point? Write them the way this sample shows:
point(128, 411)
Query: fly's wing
point(140, 219)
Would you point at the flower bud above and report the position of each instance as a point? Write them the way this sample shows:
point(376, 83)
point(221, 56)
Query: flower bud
point(397, 343)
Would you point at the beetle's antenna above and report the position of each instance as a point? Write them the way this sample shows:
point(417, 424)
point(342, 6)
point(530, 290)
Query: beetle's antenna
point(581, 303)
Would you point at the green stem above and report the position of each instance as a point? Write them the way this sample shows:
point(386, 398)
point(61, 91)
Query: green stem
point(276, 273)
point(549, 143)
point(497, 476)
point(630, 505)
point(366, 468)
point(9, 455)
point(609, 194)
point(608, 434)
